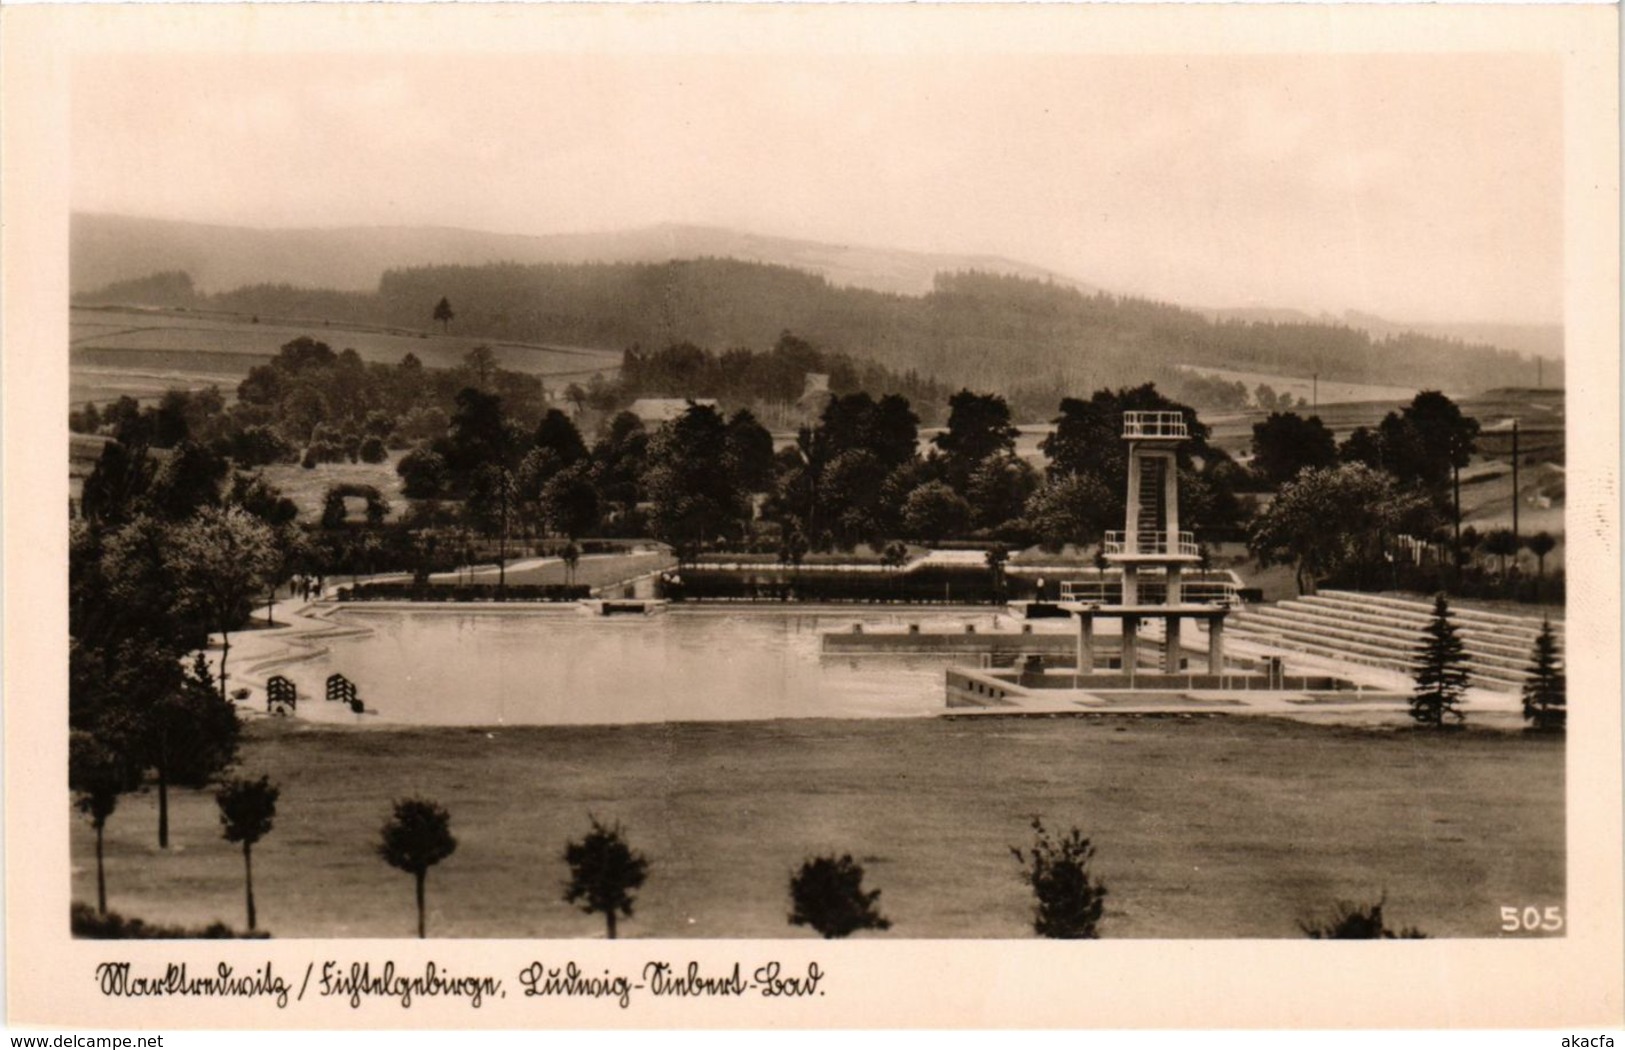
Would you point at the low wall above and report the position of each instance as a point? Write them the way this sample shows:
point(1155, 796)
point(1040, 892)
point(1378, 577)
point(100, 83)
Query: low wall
point(974, 689)
point(1237, 681)
point(951, 642)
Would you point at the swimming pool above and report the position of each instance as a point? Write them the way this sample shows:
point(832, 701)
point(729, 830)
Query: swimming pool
point(451, 666)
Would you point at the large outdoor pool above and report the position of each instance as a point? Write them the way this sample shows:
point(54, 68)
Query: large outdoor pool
point(455, 667)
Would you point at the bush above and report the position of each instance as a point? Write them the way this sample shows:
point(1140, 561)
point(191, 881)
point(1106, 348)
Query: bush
point(604, 872)
point(85, 922)
point(827, 894)
point(373, 450)
point(1356, 922)
point(1070, 901)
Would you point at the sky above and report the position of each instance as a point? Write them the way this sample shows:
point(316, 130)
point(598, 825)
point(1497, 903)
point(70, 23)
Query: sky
point(1421, 188)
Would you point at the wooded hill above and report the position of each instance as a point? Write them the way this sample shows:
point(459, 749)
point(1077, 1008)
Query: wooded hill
point(987, 331)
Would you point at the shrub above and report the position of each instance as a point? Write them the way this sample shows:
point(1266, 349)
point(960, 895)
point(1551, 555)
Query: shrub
point(1354, 922)
point(85, 922)
point(1070, 901)
point(604, 872)
point(827, 894)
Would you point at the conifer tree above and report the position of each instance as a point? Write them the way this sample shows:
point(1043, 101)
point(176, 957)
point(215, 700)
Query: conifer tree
point(1440, 670)
point(1545, 691)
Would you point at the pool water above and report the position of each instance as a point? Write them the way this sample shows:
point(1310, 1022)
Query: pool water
point(563, 667)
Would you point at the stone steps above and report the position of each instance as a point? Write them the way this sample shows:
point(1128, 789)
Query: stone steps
point(1380, 631)
point(1390, 636)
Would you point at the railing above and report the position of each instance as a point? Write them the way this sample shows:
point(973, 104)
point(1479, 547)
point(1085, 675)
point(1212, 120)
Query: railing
point(1109, 591)
point(1151, 542)
point(1155, 425)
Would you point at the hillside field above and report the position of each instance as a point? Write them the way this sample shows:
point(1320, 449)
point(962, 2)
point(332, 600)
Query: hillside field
point(116, 351)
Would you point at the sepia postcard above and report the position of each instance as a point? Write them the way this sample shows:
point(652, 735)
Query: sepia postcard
point(803, 516)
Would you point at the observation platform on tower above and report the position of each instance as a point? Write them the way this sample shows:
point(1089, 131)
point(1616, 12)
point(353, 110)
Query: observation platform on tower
point(1155, 426)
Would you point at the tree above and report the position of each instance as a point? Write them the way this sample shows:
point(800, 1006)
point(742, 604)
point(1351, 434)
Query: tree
point(749, 452)
point(827, 894)
point(978, 427)
point(482, 361)
point(1332, 518)
point(1440, 669)
point(247, 810)
point(998, 489)
point(571, 556)
point(186, 737)
point(1541, 544)
point(1545, 691)
point(98, 774)
point(1425, 440)
point(996, 558)
point(1068, 508)
point(443, 313)
point(478, 436)
point(569, 502)
point(417, 837)
point(1286, 443)
point(935, 511)
point(423, 474)
point(1363, 445)
point(1070, 901)
point(113, 492)
point(604, 873)
point(695, 496)
point(1503, 544)
point(1354, 922)
point(188, 481)
point(557, 434)
point(222, 558)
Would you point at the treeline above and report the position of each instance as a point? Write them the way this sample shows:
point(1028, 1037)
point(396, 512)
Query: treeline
point(712, 480)
point(312, 404)
point(742, 377)
point(974, 329)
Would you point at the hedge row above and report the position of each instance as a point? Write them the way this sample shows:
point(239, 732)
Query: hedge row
point(475, 592)
point(924, 585)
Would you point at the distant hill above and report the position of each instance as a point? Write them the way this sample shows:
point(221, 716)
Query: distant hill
point(1540, 340)
point(1030, 339)
point(108, 249)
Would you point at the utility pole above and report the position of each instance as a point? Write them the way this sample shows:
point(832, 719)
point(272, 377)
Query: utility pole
point(1516, 498)
point(502, 547)
point(1456, 476)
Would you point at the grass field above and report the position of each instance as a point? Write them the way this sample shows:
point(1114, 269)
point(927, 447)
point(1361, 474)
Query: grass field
point(115, 351)
point(1205, 827)
point(308, 488)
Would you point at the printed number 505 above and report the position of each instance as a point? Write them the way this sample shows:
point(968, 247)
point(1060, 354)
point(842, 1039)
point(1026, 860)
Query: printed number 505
point(1531, 918)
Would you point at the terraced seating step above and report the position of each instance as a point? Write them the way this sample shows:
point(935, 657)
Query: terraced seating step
point(1525, 632)
point(1486, 677)
point(1400, 654)
point(1299, 618)
point(1463, 613)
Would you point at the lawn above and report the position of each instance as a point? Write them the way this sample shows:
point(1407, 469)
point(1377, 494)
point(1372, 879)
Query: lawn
point(1205, 826)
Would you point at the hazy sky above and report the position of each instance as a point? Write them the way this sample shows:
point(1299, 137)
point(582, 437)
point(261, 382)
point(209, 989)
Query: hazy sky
point(1421, 188)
